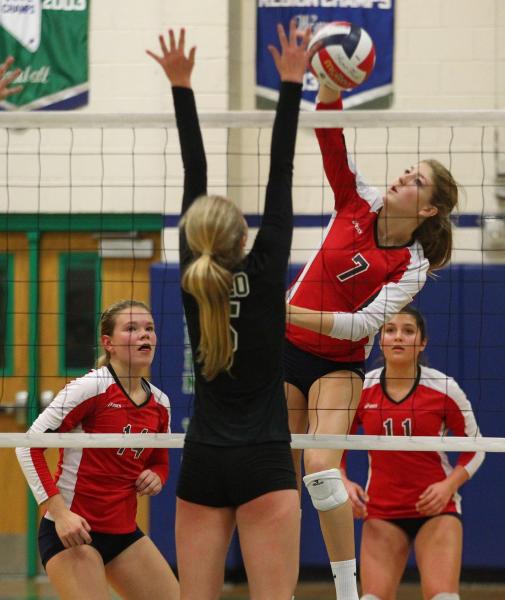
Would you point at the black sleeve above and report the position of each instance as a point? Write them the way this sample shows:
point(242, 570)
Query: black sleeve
point(192, 151)
point(276, 228)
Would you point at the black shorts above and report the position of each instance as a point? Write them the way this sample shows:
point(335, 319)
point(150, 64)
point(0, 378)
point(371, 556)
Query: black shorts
point(109, 545)
point(411, 526)
point(302, 368)
point(224, 476)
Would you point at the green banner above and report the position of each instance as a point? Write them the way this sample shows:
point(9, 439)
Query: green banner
point(49, 42)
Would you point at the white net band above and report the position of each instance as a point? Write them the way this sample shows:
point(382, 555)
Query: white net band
point(299, 441)
point(256, 119)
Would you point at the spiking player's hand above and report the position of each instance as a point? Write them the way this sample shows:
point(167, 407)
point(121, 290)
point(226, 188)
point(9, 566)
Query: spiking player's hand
point(5, 81)
point(291, 61)
point(173, 60)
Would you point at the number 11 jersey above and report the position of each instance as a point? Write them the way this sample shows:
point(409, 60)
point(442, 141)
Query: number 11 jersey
point(435, 406)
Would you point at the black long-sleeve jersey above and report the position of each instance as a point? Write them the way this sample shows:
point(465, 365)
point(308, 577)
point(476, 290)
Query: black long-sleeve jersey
point(246, 405)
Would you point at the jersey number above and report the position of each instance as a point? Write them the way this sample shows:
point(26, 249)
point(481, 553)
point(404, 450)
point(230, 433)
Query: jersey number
point(136, 451)
point(361, 265)
point(240, 289)
point(406, 424)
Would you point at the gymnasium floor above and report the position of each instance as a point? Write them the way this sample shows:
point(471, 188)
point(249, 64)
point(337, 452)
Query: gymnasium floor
point(40, 590)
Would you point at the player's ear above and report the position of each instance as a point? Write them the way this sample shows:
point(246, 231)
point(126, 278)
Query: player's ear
point(107, 342)
point(428, 211)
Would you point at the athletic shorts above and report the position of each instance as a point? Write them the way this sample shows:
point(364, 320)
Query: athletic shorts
point(302, 369)
point(228, 476)
point(109, 545)
point(411, 526)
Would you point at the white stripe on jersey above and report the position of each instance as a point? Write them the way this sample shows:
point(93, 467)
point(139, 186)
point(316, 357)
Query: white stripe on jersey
point(25, 461)
point(370, 194)
point(372, 378)
point(68, 478)
point(391, 299)
point(92, 384)
point(369, 473)
point(74, 393)
point(440, 382)
point(448, 469)
point(162, 398)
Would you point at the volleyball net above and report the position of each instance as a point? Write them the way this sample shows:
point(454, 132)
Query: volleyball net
point(89, 210)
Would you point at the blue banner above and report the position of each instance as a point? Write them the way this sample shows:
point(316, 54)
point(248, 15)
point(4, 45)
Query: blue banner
point(375, 16)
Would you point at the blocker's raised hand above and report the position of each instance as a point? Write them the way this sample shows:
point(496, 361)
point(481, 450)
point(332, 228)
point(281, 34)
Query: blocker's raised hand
point(291, 61)
point(173, 60)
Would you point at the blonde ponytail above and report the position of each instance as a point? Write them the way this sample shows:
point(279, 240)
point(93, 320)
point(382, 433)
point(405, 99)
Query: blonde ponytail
point(214, 229)
point(210, 285)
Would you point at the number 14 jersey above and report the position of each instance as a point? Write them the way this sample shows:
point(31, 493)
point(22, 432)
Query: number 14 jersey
point(98, 483)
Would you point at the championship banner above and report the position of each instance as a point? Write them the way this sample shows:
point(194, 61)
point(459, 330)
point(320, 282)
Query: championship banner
point(49, 42)
point(375, 16)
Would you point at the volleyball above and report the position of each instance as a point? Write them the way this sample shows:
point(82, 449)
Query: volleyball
point(341, 55)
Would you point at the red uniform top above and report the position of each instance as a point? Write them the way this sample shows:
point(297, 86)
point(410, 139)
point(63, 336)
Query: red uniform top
point(435, 405)
point(98, 484)
point(350, 272)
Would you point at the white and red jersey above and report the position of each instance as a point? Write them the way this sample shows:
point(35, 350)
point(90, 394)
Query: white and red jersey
point(98, 484)
point(434, 406)
point(350, 272)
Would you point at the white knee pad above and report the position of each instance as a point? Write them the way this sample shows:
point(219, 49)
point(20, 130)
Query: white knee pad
point(370, 597)
point(326, 489)
point(446, 596)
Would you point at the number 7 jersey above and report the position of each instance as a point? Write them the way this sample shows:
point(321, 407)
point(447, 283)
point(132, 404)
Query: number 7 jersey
point(351, 272)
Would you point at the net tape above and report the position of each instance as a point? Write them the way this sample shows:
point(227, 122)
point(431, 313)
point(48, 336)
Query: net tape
point(299, 441)
point(244, 119)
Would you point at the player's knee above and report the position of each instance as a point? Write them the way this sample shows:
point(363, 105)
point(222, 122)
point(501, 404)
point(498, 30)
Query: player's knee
point(445, 596)
point(326, 489)
point(369, 597)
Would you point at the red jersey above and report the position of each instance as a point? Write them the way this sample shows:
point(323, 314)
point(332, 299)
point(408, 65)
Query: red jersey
point(350, 273)
point(434, 406)
point(98, 484)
